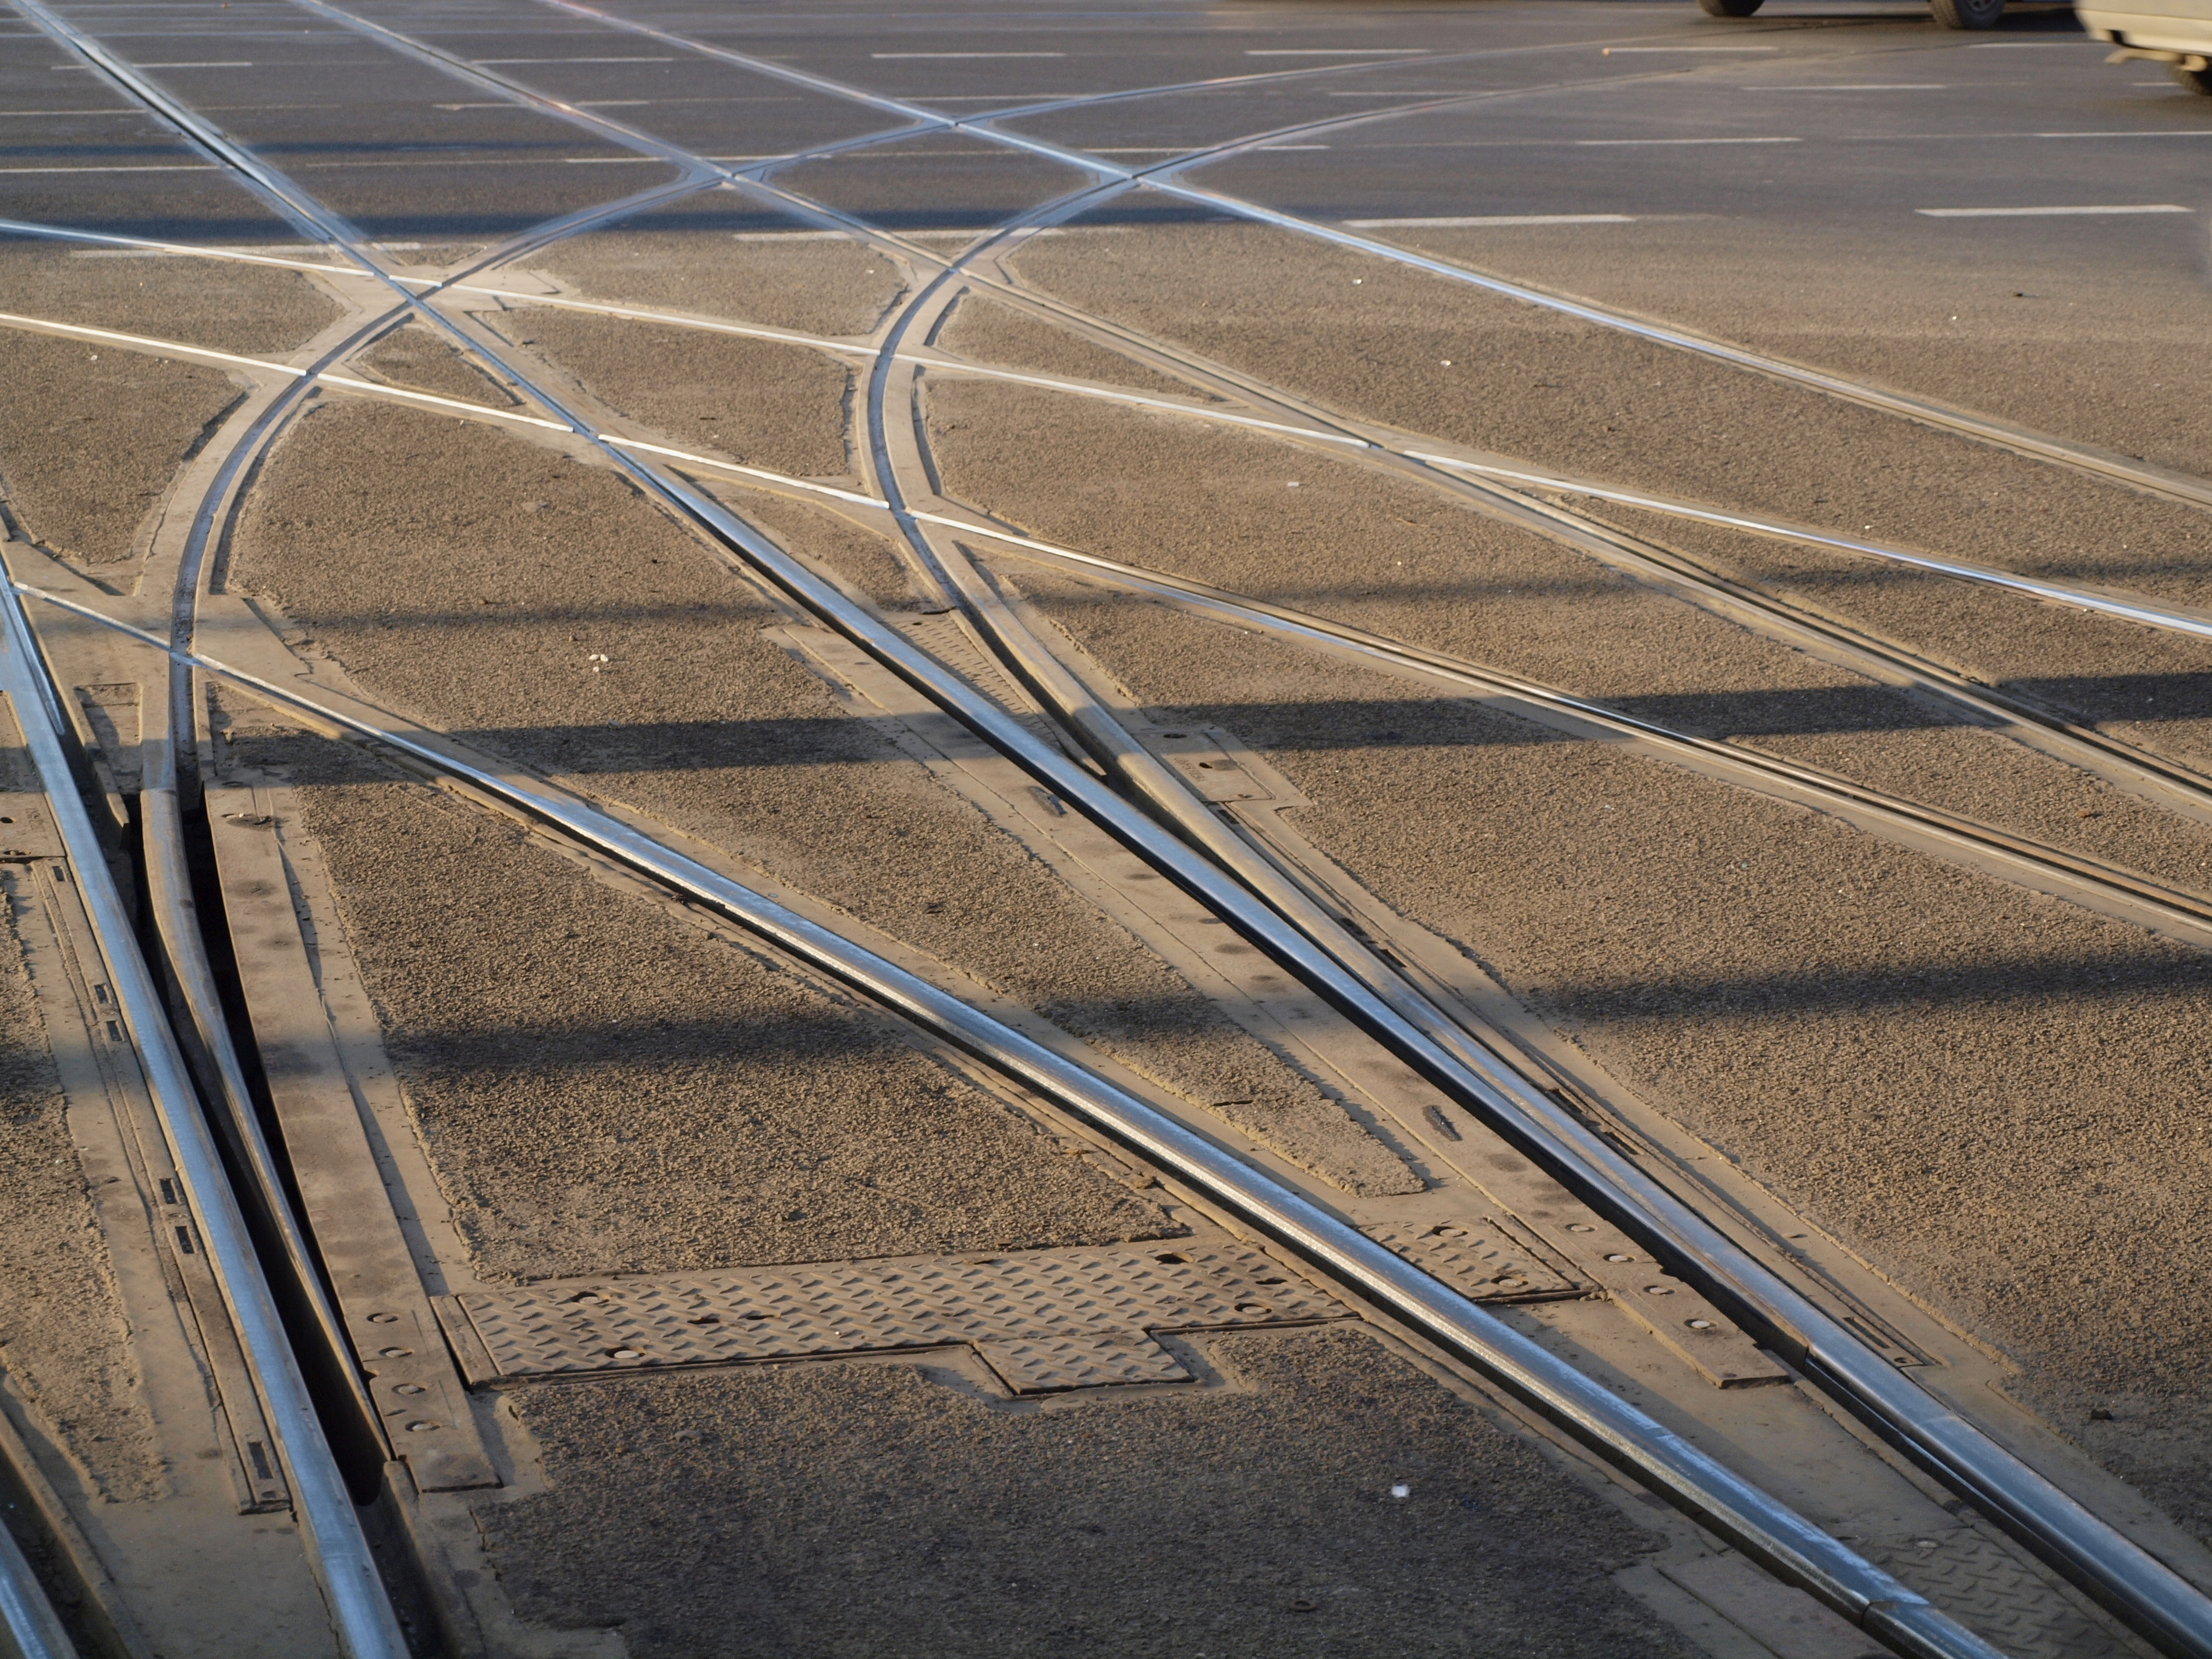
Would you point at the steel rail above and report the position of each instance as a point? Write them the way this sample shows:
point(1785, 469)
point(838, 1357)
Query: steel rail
point(1704, 1488)
point(2161, 903)
point(330, 1532)
point(2143, 1590)
point(29, 1627)
point(2123, 607)
point(2095, 749)
point(2163, 481)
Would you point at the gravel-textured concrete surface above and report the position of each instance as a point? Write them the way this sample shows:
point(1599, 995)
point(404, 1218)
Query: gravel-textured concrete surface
point(91, 436)
point(250, 310)
point(480, 609)
point(1439, 358)
point(757, 401)
point(2087, 346)
point(2149, 687)
point(1991, 1096)
point(412, 357)
point(1391, 556)
point(844, 1509)
point(63, 1337)
point(720, 254)
point(988, 331)
point(602, 1088)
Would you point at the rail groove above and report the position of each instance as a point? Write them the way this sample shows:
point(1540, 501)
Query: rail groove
point(2141, 1589)
point(1669, 1465)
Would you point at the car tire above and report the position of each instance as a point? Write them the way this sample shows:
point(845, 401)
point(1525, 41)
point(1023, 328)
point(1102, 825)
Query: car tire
point(1967, 14)
point(2195, 80)
point(1727, 8)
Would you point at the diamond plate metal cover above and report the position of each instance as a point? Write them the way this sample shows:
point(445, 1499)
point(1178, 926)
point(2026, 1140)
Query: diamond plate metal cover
point(1984, 1585)
point(1042, 1320)
point(1478, 1260)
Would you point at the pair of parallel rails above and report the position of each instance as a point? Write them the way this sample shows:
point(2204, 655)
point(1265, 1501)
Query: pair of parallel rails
point(1212, 867)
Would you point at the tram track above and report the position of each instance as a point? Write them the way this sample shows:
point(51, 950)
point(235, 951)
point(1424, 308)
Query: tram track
point(733, 533)
point(2162, 481)
point(1501, 488)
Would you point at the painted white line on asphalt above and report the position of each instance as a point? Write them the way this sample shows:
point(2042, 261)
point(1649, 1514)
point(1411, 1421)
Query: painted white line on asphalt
point(1613, 51)
point(2162, 132)
point(481, 62)
point(2047, 212)
point(744, 471)
point(177, 349)
point(1289, 146)
point(137, 244)
point(894, 57)
point(1602, 143)
point(1335, 51)
point(1491, 219)
point(222, 64)
point(165, 166)
point(2023, 46)
point(116, 110)
point(165, 348)
point(1860, 86)
point(489, 414)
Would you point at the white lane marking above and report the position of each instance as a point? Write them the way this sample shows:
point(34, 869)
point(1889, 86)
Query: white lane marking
point(177, 349)
point(2024, 46)
point(168, 348)
point(1609, 144)
point(1289, 146)
point(746, 472)
point(224, 63)
point(490, 414)
point(610, 161)
point(481, 61)
point(1336, 51)
point(898, 56)
point(2047, 212)
point(1613, 51)
point(1493, 219)
point(2162, 132)
point(165, 167)
point(1860, 86)
point(114, 111)
point(23, 227)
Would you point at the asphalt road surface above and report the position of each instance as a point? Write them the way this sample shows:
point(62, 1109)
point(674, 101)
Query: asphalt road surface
point(1573, 638)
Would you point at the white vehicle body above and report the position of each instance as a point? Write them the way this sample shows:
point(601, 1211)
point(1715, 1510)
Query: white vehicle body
point(2184, 26)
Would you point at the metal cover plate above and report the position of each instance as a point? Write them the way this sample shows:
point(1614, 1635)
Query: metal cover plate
point(1478, 1260)
point(1044, 1320)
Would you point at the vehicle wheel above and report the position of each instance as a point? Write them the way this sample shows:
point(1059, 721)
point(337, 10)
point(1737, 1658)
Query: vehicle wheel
point(2195, 80)
point(1967, 14)
point(1727, 8)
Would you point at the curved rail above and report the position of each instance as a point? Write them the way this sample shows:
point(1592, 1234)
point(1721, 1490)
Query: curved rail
point(2157, 904)
point(2140, 1588)
point(2163, 481)
point(1658, 1457)
point(330, 1529)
